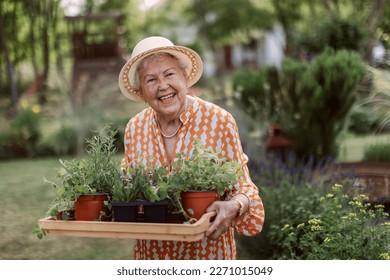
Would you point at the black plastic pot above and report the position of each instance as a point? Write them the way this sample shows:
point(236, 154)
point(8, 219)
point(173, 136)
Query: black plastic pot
point(125, 211)
point(156, 212)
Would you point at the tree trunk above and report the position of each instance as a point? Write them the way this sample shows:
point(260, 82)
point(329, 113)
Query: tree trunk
point(10, 67)
point(374, 16)
point(46, 10)
point(33, 42)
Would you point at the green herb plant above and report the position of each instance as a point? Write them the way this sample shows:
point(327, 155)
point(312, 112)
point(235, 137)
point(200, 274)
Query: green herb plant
point(140, 183)
point(203, 170)
point(98, 172)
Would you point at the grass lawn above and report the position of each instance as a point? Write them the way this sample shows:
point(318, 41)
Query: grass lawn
point(25, 199)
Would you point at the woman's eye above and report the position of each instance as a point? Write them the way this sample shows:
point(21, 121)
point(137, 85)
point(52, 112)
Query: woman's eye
point(151, 80)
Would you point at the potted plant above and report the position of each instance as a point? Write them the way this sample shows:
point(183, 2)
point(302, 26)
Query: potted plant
point(141, 188)
point(199, 179)
point(156, 196)
point(126, 197)
point(88, 182)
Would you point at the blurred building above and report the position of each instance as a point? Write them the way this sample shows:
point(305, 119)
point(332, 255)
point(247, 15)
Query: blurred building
point(97, 53)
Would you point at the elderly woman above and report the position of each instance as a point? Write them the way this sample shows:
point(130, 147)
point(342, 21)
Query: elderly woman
point(161, 74)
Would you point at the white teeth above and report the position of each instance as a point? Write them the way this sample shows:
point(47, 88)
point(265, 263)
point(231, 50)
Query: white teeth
point(167, 97)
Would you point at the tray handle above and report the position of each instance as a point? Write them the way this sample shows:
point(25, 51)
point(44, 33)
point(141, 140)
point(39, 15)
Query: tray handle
point(205, 221)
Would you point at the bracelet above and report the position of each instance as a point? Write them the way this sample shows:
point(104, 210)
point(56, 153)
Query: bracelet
point(241, 210)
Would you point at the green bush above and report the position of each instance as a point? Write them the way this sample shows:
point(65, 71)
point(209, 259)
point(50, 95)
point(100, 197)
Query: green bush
point(64, 141)
point(339, 33)
point(12, 146)
point(328, 89)
point(283, 205)
point(377, 152)
point(251, 91)
point(25, 129)
point(312, 102)
point(363, 121)
point(345, 229)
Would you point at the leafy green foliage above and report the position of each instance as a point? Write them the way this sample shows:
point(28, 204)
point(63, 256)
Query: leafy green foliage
point(25, 128)
point(339, 33)
point(345, 229)
point(64, 141)
point(205, 169)
point(377, 152)
point(39, 232)
point(363, 120)
point(284, 204)
point(306, 99)
point(217, 21)
point(96, 173)
point(140, 183)
point(328, 89)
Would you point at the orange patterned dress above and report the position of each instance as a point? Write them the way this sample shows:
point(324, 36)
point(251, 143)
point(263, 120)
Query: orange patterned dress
point(217, 129)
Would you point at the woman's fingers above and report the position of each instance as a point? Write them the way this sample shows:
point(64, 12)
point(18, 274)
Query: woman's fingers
point(226, 212)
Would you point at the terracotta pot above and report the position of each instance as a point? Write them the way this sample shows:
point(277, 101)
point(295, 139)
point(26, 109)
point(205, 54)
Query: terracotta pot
point(198, 201)
point(87, 207)
point(125, 211)
point(156, 212)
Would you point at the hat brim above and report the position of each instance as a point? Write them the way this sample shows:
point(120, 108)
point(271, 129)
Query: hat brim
point(126, 78)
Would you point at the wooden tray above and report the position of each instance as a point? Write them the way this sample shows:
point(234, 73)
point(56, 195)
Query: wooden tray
point(173, 232)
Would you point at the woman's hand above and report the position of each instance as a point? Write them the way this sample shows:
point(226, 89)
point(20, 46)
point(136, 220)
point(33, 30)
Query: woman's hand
point(226, 213)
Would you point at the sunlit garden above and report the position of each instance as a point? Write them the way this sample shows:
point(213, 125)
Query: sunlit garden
point(315, 125)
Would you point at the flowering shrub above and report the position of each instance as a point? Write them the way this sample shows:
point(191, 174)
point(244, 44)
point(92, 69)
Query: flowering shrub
point(346, 229)
point(284, 204)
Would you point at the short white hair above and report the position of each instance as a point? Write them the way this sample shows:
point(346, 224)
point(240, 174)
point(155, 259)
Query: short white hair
point(183, 64)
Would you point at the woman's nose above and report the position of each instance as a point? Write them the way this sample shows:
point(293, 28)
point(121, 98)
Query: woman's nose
point(163, 85)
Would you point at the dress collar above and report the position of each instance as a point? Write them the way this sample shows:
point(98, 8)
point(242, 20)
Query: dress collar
point(185, 116)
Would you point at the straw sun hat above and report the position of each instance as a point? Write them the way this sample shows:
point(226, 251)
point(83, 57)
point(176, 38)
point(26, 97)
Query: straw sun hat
point(127, 76)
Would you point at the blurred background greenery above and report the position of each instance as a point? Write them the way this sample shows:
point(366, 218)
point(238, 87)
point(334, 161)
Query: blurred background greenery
point(329, 92)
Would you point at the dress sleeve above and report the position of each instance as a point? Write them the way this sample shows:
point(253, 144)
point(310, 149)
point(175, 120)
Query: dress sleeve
point(250, 223)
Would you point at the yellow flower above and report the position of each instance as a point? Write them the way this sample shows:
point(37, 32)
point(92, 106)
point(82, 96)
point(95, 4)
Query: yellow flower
point(315, 228)
point(327, 240)
point(301, 225)
point(24, 103)
point(314, 221)
point(286, 226)
point(337, 187)
point(329, 195)
point(385, 256)
point(36, 108)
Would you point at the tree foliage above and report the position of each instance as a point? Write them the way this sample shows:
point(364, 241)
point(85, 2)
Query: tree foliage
point(29, 33)
point(310, 101)
point(308, 16)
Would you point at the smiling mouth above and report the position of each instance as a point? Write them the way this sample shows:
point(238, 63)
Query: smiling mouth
point(167, 97)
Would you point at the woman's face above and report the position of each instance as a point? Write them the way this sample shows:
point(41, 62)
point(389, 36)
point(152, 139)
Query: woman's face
point(163, 85)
